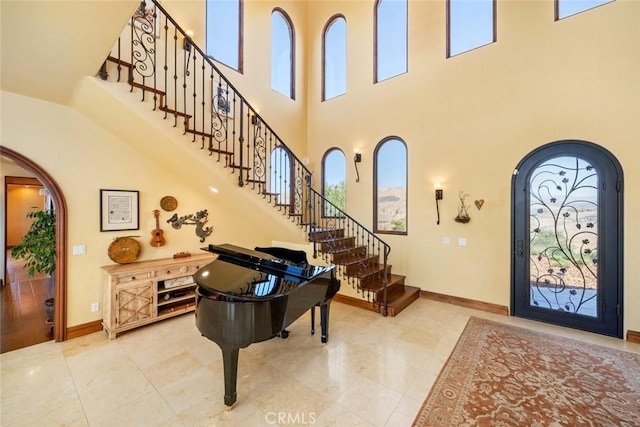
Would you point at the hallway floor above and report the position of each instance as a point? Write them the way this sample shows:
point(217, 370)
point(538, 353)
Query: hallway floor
point(23, 319)
point(374, 371)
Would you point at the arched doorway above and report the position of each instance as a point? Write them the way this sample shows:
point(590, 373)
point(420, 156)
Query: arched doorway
point(567, 251)
point(60, 277)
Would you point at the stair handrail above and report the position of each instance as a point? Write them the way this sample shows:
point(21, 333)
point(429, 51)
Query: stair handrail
point(253, 157)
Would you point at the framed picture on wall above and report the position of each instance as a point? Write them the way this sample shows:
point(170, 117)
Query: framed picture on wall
point(119, 210)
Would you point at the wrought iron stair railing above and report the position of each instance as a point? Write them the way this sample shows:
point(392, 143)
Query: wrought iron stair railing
point(161, 62)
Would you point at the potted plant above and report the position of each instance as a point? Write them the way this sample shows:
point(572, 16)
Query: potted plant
point(38, 248)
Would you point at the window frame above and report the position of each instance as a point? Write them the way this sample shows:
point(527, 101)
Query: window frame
point(324, 175)
point(556, 7)
point(376, 78)
point(240, 50)
point(286, 159)
point(494, 29)
point(376, 153)
point(325, 30)
point(292, 46)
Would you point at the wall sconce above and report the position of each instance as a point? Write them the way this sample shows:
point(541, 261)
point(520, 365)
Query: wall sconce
point(439, 196)
point(357, 158)
point(187, 44)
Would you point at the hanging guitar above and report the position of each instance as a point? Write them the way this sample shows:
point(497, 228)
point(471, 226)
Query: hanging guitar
point(157, 235)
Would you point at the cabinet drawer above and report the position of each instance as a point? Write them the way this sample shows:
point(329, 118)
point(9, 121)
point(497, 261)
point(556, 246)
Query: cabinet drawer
point(131, 277)
point(171, 271)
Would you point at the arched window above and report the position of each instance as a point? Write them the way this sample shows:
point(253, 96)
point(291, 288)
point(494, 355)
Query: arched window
point(390, 39)
point(566, 8)
point(334, 173)
point(282, 53)
point(470, 24)
point(390, 186)
point(224, 32)
point(334, 58)
point(280, 175)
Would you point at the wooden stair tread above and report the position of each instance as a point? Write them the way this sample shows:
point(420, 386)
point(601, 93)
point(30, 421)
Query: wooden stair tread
point(118, 61)
point(369, 276)
point(343, 250)
point(176, 113)
point(400, 300)
point(234, 166)
point(147, 88)
point(377, 286)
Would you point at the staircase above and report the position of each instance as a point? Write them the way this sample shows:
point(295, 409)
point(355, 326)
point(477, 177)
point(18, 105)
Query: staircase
point(162, 65)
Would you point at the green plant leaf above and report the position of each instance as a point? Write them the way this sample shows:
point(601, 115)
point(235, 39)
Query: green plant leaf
point(38, 246)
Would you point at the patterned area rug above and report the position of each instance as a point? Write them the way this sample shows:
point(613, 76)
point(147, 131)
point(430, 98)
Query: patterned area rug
point(501, 375)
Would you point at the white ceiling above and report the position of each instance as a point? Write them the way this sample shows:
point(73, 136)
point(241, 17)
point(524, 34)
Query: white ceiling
point(48, 46)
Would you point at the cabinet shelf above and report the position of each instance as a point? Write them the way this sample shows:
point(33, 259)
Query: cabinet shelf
point(185, 297)
point(141, 293)
point(162, 290)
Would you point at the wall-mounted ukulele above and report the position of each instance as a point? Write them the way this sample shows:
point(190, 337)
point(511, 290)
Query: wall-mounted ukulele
point(157, 238)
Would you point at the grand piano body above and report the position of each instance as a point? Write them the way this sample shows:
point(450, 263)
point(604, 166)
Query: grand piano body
point(246, 296)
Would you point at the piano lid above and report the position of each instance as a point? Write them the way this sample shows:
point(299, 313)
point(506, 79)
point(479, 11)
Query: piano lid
point(251, 275)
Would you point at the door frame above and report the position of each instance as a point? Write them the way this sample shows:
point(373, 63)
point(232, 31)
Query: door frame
point(60, 275)
point(569, 147)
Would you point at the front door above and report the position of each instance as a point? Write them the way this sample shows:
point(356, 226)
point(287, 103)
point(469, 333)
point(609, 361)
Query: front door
point(567, 237)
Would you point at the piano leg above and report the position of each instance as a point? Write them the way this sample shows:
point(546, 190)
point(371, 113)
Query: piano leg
point(324, 322)
point(313, 320)
point(230, 362)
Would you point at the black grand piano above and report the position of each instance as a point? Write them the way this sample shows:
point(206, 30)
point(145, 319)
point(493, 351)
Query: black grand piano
point(246, 296)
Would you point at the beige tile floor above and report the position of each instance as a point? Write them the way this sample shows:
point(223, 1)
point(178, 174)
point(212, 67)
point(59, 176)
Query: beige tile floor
point(374, 371)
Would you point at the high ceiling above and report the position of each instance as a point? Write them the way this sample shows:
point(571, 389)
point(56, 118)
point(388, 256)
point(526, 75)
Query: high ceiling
point(47, 47)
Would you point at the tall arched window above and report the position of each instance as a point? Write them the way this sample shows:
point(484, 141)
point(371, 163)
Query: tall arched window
point(334, 173)
point(224, 32)
point(280, 175)
point(470, 24)
point(282, 53)
point(391, 39)
point(334, 58)
point(390, 186)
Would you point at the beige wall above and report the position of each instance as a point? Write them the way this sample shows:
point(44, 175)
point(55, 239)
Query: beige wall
point(470, 119)
point(84, 158)
point(467, 122)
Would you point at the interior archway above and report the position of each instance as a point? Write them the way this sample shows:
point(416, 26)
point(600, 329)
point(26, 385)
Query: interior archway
point(60, 276)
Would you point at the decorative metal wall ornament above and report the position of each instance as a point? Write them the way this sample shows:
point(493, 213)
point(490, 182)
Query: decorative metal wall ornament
point(463, 209)
point(199, 219)
point(479, 203)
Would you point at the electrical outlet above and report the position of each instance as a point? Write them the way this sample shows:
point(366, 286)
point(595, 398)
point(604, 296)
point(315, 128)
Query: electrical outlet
point(95, 307)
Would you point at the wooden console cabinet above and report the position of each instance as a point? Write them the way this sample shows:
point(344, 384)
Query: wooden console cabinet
point(140, 293)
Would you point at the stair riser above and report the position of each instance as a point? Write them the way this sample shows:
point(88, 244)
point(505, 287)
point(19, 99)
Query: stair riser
point(348, 256)
point(344, 243)
point(374, 277)
point(314, 236)
point(360, 267)
point(393, 290)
